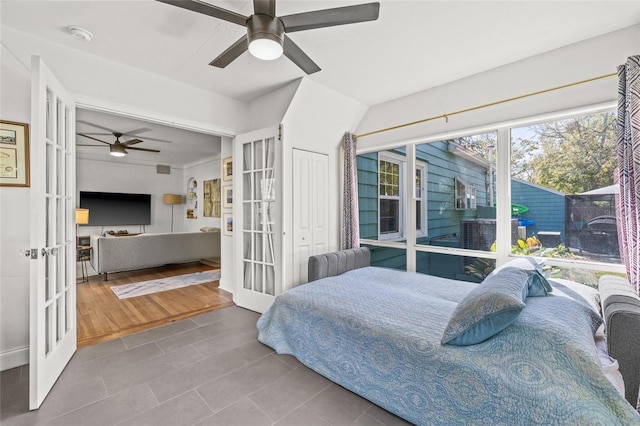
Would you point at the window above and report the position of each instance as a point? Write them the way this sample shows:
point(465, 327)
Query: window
point(389, 179)
point(550, 183)
point(465, 196)
point(421, 197)
point(391, 194)
point(562, 188)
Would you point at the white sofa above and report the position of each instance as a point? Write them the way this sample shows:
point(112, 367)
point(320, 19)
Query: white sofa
point(123, 253)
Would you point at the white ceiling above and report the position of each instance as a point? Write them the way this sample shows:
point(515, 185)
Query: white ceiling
point(413, 46)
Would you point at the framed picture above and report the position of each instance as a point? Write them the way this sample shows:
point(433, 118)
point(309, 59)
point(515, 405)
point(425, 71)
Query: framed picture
point(14, 154)
point(227, 168)
point(227, 196)
point(211, 195)
point(227, 223)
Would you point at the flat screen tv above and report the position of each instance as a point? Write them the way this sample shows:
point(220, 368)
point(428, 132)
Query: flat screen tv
point(114, 208)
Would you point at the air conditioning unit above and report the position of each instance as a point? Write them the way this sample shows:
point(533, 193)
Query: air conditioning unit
point(480, 234)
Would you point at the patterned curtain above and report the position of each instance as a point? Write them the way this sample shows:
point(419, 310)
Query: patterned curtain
point(628, 171)
point(350, 222)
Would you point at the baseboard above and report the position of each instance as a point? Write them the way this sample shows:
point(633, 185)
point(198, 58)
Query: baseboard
point(222, 284)
point(14, 358)
point(213, 261)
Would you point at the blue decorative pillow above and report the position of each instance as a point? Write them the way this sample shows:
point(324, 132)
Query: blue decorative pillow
point(488, 309)
point(537, 283)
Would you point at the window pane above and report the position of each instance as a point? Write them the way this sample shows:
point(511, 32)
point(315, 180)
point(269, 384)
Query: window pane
point(389, 216)
point(389, 179)
point(562, 188)
point(470, 163)
point(386, 257)
point(454, 267)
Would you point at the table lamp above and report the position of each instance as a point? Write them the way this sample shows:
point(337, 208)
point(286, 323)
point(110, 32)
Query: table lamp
point(82, 218)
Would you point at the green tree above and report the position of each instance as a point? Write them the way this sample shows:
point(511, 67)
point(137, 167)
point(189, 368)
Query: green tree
point(574, 155)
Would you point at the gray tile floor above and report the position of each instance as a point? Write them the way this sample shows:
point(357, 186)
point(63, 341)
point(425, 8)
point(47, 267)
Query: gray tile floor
point(206, 370)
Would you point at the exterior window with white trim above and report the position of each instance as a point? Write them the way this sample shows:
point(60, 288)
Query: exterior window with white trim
point(465, 196)
point(389, 197)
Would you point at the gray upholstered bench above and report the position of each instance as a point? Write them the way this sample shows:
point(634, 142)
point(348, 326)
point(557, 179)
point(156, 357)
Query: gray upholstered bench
point(621, 312)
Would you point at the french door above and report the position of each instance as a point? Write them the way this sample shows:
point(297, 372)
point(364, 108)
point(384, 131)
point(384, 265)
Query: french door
point(257, 228)
point(52, 271)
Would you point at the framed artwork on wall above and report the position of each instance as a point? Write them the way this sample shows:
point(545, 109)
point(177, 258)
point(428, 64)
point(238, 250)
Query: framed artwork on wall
point(227, 196)
point(211, 198)
point(14, 154)
point(227, 168)
point(227, 223)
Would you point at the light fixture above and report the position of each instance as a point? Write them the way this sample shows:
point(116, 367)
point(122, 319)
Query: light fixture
point(117, 150)
point(265, 35)
point(172, 199)
point(80, 33)
point(82, 218)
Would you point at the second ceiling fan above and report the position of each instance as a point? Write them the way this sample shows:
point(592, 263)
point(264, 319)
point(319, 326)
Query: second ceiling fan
point(266, 38)
point(117, 148)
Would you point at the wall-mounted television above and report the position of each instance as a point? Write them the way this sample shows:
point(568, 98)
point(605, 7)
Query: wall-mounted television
point(115, 208)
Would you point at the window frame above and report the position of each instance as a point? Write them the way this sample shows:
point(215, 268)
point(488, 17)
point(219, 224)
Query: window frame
point(403, 191)
point(467, 188)
point(423, 230)
point(399, 160)
point(502, 188)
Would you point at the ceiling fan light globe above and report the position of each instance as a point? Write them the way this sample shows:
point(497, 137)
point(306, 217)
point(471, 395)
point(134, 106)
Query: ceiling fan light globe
point(265, 49)
point(117, 150)
point(265, 35)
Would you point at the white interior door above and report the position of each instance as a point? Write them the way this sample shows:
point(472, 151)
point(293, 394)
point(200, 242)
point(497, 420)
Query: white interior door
point(257, 219)
point(53, 272)
point(310, 211)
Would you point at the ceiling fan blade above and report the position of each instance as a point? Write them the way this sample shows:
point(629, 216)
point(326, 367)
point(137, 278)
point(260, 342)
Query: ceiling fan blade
point(330, 17)
point(99, 146)
point(141, 149)
point(208, 9)
point(131, 142)
point(91, 137)
point(128, 134)
point(229, 55)
point(264, 7)
point(97, 126)
point(298, 57)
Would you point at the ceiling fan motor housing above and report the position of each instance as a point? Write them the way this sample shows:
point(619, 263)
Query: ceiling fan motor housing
point(265, 27)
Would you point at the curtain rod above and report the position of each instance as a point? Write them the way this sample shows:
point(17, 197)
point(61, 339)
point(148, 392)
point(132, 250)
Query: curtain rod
point(515, 98)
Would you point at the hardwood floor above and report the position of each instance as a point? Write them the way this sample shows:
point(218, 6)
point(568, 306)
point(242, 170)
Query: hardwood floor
point(101, 316)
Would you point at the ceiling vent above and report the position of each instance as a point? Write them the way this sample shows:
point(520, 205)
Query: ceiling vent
point(163, 170)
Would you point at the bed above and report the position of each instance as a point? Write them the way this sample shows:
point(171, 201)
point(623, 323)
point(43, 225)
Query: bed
point(381, 334)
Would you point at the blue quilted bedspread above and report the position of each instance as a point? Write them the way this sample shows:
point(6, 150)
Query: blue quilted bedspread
point(377, 333)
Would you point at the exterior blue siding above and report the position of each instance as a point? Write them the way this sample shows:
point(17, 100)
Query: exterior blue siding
point(546, 207)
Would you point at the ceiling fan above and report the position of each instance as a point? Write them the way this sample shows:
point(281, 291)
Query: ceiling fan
point(117, 148)
point(266, 38)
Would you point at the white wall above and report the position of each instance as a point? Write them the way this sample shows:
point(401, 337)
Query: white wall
point(204, 170)
point(227, 274)
point(103, 176)
point(316, 120)
point(14, 228)
point(584, 60)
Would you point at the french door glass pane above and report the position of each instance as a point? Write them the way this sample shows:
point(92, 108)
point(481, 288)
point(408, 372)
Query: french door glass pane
point(258, 208)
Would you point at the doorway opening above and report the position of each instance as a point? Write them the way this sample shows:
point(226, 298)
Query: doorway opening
point(170, 155)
